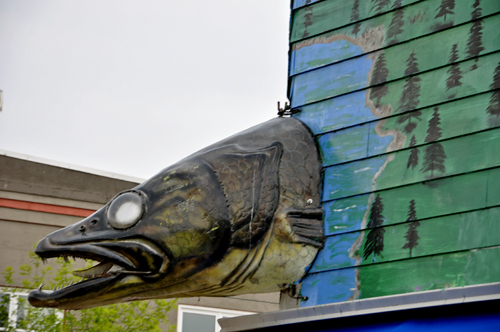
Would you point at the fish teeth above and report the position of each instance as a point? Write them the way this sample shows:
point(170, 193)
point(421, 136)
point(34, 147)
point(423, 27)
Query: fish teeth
point(40, 287)
point(94, 271)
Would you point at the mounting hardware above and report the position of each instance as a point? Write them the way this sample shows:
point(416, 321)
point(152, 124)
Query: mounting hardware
point(293, 291)
point(287, 110)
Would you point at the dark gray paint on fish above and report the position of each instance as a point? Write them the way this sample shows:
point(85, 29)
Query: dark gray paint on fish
point(240, 216)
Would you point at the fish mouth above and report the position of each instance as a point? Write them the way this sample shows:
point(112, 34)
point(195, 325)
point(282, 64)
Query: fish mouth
point(117, 260)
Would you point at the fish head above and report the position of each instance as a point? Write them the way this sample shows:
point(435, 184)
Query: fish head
point(153, 236)
point(230, 219)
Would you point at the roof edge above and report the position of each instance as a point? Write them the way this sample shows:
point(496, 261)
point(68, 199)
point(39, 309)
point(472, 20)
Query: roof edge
point(61, 164)
point(383, 304)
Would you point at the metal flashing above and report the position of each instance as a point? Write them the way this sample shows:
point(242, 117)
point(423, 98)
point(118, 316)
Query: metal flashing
point(418, 300)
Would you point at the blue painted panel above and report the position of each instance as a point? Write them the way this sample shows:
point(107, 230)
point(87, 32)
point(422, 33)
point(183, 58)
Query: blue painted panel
point(352, 178)
point(344, 145)
point(316, 55)
point(301, 3)
point(329, 287)
point(337, 113)
point(336, 253)
point(354, 143)
point(330, 81)
point(345, 215)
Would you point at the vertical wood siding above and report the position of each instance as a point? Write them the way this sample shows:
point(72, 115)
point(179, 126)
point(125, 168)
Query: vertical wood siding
point(404, 99)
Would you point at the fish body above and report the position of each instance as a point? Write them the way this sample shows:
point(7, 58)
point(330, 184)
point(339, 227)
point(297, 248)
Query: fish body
point(240, 216)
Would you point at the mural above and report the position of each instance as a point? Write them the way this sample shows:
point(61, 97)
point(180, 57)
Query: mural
point(240, 216)
point(403, 97)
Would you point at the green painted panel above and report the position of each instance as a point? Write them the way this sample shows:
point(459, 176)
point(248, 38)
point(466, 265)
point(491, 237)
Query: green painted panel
point(456, 156)
point(471, 230)
point(406, 23)
point(433, 51)
point(432, 87)
point(432, 198)
point(457, 118)
point(404, 95)
point(331, 14)
point(401, 95)
point(437, 272)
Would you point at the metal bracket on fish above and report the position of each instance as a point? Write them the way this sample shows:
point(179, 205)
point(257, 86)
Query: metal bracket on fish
point(240, 216)
point(287, 110)
point(293, 291)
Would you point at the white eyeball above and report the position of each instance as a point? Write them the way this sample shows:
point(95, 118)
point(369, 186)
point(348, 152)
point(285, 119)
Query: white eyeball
point(125, 210)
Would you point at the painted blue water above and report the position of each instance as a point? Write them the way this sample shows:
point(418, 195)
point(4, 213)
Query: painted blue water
point(336, 113)
point(345, 215)
point(300, 3)
point(316, 55)
point(330, 81)
point(329, 287)
point(349, 180)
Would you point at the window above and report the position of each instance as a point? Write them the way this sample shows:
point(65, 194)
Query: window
point(12, 309)
point(203, 319)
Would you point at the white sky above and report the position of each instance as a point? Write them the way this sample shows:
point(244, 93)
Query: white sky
point(131, 87)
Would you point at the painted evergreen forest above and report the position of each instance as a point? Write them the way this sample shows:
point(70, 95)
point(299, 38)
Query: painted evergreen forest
point(404, 99)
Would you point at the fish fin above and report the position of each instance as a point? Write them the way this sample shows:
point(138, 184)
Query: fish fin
point(307, 225)
point(250, 182)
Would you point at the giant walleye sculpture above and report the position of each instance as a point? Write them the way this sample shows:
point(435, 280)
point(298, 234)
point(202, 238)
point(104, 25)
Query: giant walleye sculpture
point(240, 216)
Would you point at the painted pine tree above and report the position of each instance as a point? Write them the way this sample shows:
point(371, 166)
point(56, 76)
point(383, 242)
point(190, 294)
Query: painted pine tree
point(455, 74)
point(411, 93)
point(380, 74)
point(411, 64)
point(413, 159)
point(397, 4)
point(374, 244)
point(412, 233)
point(397, 22)
point(493, 109)
point(379, 5)
point(434, 156)
point(355, 17)
point(475, 41)
point(446, 8)
point(308, 21)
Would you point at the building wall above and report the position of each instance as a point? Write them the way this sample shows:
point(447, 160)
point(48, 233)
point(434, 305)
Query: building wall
point(403, 99)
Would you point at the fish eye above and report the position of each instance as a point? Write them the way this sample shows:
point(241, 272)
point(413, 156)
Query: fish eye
point(125, 210)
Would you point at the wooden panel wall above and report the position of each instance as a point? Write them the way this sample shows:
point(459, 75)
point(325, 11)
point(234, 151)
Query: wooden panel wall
point(404, 99)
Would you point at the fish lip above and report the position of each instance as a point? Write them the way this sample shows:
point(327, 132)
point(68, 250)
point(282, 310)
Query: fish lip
point(47, 249)
point(149, 266)
point(62, 298)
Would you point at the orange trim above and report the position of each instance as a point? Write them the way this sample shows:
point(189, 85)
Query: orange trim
point(42, 207)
